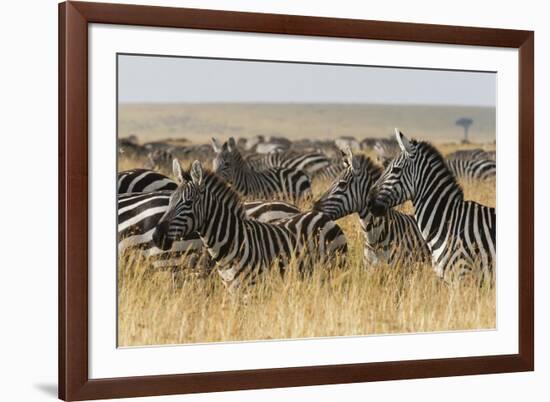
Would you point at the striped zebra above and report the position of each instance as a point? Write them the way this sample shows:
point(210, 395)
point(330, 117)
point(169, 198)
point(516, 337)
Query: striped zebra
point(160, 159)
point(481, 169)
point(139, 214)
point(143, 180)
point(332, 171)
point(460, 234)
point(471, 154)
point(393, 239)
point(229, 164)
point(386, 147)
point(242, 247)
point(309, 162)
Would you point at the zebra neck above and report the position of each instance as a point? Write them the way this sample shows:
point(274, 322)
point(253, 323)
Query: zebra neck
point(223, 230)
point(244, 179)
point(434, 202)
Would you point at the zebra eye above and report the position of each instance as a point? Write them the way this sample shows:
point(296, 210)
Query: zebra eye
point(396, 169)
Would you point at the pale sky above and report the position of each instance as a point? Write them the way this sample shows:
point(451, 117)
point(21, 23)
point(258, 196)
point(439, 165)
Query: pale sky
point(175, 79)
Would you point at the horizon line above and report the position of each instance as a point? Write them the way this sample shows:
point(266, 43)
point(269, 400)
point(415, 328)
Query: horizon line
point(304, 103)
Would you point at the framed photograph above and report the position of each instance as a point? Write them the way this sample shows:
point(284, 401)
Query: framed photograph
point(259, 200)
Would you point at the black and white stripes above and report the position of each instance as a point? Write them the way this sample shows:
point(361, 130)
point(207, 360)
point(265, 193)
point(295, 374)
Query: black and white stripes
point(244, 247)
point(461, 234)
point(139, 214)
point(309, 162)
point(472, 169)
point(142, 181)
point(287, 183)
point(392, 239)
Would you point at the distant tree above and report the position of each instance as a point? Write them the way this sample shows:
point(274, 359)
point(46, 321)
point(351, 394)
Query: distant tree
point(465, 123)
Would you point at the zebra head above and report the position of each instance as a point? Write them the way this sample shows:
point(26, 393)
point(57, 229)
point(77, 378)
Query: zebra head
point(349, 192)
point(396, 184)
point(184, 212)
point(227, 160)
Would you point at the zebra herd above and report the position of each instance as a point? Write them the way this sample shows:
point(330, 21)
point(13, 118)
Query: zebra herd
point(240, 218)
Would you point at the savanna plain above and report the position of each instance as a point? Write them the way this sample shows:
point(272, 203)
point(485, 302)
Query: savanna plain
point(348, 299)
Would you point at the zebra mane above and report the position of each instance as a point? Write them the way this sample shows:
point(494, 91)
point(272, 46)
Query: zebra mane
point(429, 150)
point(221, 187)
point(367, 164)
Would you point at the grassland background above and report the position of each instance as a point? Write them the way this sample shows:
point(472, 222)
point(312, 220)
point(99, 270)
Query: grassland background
point(199, 122)
point(346, 300)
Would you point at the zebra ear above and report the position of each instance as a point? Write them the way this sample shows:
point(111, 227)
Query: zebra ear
point(404, 143)
point(231, 145)
point(216, 145)
point(176, 168)
point(196, 174)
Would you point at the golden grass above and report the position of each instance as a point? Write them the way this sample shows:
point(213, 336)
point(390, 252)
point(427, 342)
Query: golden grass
point(345, 300)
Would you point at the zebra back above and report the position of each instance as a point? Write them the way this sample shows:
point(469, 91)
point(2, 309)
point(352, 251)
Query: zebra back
point(471, 154)
point(310, 162)
point(229, 164)
point(480, 169)
point(143, 180)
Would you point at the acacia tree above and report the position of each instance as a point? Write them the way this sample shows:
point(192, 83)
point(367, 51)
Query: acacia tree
point(465, 123)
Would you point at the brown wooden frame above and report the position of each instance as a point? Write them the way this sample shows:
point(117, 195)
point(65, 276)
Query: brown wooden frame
point(74, 17)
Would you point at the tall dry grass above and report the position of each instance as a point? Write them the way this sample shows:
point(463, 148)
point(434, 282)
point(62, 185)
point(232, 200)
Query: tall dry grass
point(344, 300)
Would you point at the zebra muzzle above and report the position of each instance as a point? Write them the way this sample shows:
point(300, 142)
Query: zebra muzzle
point(376, 207)
point(160, 236)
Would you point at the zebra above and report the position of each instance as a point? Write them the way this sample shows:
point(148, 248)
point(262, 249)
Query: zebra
point(460, 234)
point(471, 154)
point(310, 162)
point(393, 239)
point(332, 171)
point(242, 247)
point(160, 159)
point(143, 180)
point(465, 169)
point(386, 149)
point(139, 213)
point(129, 147)
point(386, 146)
point(230, 165)
point(481, 169)
point(347, 142)
point(264, 144)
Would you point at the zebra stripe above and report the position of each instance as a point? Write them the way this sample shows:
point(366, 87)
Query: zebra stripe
point(139, 214)
point(461, 234)
point(481, 169)
point(143, 180)
point(393, 239)
point(332, 171)
point(230, 165)
point(309, 162)
point(386, 148)
point(159, 159)
point(471, 154)
point(242, 247)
